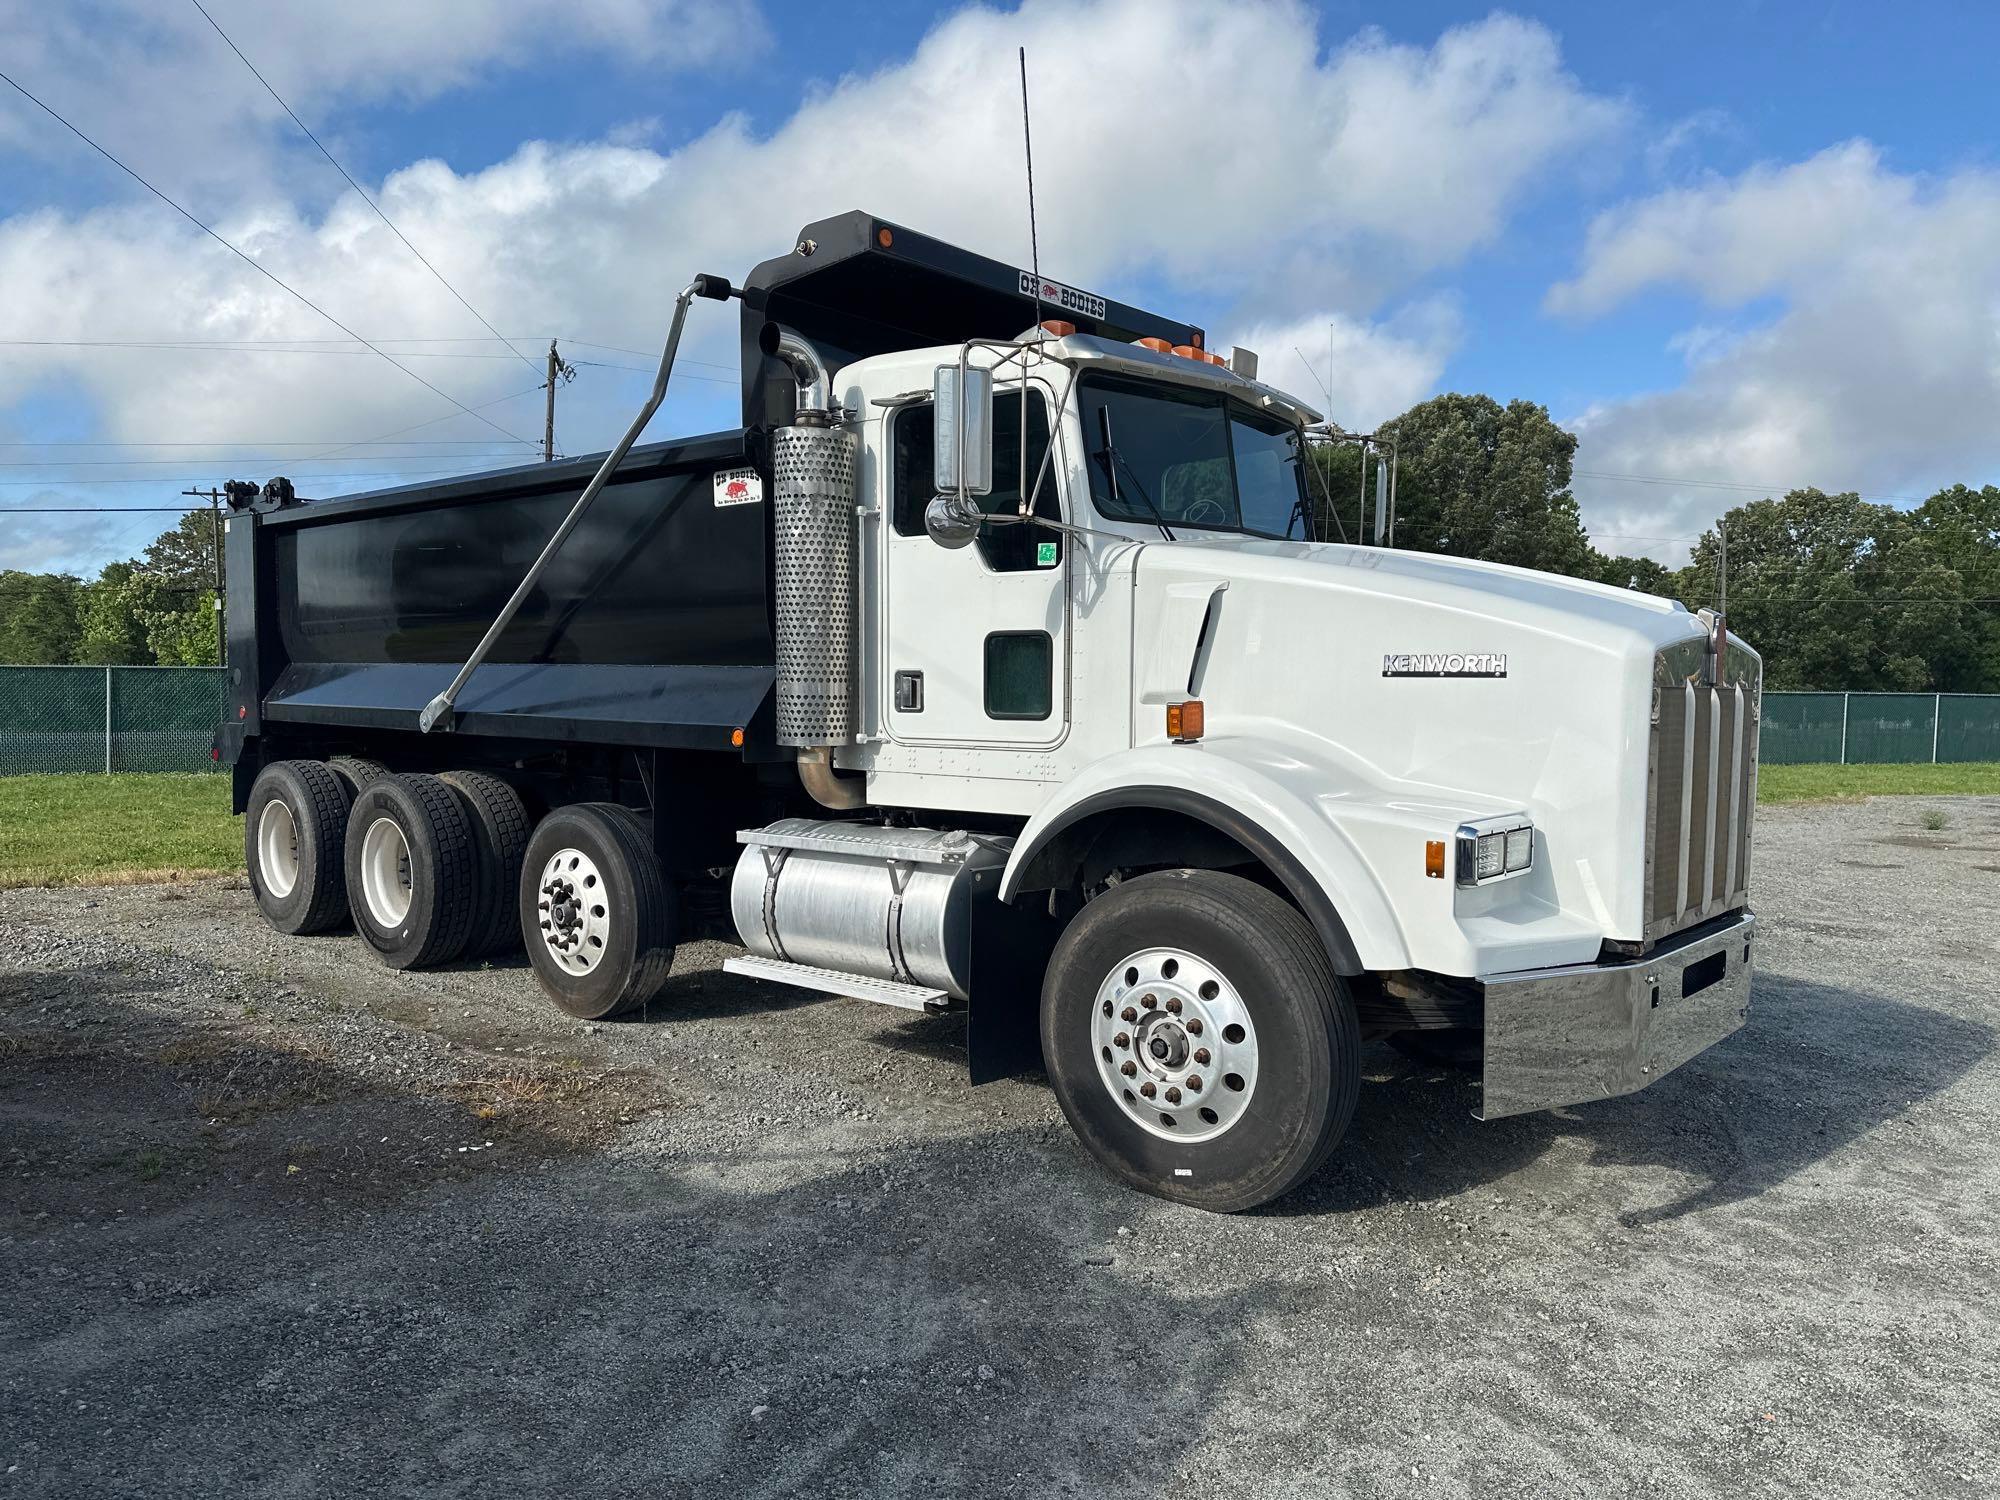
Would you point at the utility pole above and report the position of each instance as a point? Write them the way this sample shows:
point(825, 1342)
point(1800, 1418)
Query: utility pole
point(214, 498)
point(559, 368)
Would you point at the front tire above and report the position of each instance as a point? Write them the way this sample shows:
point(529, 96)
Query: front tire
point(293, 828)
point(1198, 1040)
point(597, 914)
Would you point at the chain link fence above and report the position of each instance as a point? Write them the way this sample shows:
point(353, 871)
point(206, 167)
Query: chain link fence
point(109, 718)
point(1879, 728)
point(164, 719)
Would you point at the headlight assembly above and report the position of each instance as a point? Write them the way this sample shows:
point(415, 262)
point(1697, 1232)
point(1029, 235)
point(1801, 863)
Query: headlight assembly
point(1492, 849)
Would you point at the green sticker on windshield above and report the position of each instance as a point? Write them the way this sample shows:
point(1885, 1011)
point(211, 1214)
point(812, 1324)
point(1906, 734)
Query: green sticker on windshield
point(1045, 555)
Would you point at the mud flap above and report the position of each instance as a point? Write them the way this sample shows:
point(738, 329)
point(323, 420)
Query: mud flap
point(1010, 953)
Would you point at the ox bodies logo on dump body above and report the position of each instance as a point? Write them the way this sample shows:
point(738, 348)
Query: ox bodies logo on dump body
point(1445, 664)
point(1068, 298)
point(738, 487)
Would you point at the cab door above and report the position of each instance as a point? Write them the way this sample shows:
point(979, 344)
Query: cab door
point(975, 649)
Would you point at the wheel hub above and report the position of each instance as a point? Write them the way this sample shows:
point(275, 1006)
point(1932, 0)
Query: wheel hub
point(575, 921)
point(1176, 1047)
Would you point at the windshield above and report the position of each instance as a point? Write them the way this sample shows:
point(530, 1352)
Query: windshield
point(1173, 456)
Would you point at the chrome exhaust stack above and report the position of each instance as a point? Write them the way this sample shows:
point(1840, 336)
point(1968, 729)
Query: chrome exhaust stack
point(813, 484)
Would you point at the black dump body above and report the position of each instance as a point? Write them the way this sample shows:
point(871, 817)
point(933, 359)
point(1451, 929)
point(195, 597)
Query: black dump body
point(652, 626)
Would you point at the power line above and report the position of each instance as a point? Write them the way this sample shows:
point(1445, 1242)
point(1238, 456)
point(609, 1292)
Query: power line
point(369, 348)
point(168, 341)
point(93, 511)
point(247, 259)
point(227, 458)
point(200, 471)
point(349, 177)
point(416, 426)
point(239, 442)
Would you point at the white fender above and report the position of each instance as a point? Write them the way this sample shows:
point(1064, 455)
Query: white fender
point(1265, 786)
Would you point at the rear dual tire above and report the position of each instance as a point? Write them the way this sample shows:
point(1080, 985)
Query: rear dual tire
point(500, 828)
point(413, 871)
point(294, 826)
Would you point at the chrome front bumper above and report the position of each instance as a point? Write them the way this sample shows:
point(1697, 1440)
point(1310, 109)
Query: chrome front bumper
point(1583, 1032)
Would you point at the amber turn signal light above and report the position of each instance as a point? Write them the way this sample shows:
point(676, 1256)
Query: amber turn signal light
point(1057, 328)
point(1184, 721)
point(1434, 859)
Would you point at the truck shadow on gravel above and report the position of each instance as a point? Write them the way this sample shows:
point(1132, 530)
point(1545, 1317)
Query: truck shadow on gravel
point(111, 1104)
point(1816, 1069)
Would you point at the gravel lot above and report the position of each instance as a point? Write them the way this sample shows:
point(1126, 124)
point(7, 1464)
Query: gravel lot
point(278, 1221)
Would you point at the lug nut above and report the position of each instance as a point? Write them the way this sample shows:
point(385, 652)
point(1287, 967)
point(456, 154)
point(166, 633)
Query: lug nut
point(1194, 1083)
point(1123, 1039)
point(1173, 1096)
point(1194, 1026)
point(1201, 1054)
point(1147, 1089)
point(1128, 1067)
point(1174, 1006)
point(1128, 1015)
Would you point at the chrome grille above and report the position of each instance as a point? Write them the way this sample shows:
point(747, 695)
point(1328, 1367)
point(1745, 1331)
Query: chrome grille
point(1701, 786)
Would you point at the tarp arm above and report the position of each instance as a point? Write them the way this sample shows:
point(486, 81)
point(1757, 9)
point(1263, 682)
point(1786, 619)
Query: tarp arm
point(438, 710)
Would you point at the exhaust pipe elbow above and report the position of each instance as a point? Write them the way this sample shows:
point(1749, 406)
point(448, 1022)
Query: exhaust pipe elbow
point(828, 787)
point(808, 369)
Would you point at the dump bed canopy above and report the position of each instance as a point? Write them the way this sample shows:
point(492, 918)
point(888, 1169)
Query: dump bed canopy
point(856, 285)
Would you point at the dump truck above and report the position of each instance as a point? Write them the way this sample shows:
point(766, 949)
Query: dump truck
point(991, 665)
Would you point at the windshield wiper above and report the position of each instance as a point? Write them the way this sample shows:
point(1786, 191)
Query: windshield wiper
point(1112, 459)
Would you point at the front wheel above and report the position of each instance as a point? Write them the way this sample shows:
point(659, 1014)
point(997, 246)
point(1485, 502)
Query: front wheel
point(1198, 1040)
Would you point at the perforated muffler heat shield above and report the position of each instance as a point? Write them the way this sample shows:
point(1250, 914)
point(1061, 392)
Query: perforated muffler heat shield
point(812, 471)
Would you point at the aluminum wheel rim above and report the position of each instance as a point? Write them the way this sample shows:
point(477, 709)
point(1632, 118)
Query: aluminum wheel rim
point(1175, 1045)
point(574, 915)
point(385, 873)
point(278, 848)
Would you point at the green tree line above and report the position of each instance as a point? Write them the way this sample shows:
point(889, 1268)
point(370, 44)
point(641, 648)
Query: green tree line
point(1835, 591)
point(155, 610)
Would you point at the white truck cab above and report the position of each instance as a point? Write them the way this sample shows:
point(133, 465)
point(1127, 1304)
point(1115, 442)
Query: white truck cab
point(1513, 808)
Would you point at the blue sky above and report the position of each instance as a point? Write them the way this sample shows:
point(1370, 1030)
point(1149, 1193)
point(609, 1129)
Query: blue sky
point(1728, 244)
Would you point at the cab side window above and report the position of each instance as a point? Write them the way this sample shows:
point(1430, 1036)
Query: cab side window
point(1006, 549)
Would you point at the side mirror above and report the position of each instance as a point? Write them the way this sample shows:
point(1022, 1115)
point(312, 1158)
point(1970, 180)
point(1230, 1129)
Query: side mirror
point(953, 521)
point(963, 406)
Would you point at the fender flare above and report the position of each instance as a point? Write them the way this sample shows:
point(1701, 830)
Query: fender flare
point(1268, 850)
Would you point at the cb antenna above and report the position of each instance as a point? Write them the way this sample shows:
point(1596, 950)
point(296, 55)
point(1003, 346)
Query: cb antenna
point(1034, 268)
point(1028, 144)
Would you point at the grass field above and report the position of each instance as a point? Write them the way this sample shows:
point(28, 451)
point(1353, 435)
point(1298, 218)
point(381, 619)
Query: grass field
point(86, 830)
point(1843, 783)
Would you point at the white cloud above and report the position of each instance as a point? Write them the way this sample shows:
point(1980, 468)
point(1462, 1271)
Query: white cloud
point(1880, 373)
point(161, 89)
point(1218, 151)
point(1362, 372)
point(1738, 238)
